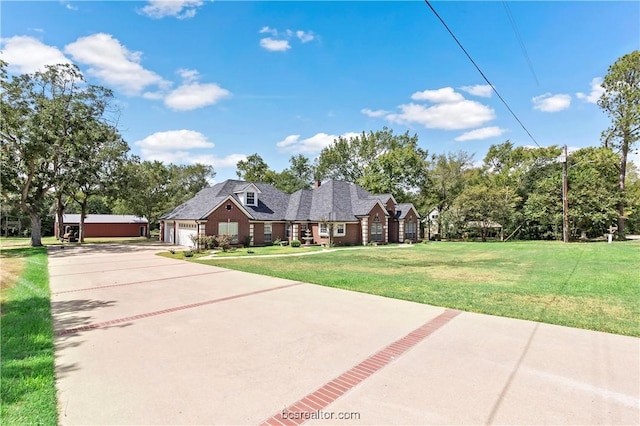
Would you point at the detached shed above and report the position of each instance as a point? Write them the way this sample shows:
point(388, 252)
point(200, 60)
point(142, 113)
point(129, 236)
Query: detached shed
point(107, 225)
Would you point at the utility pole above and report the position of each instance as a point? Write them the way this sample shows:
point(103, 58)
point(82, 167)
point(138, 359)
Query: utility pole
point(565, 195)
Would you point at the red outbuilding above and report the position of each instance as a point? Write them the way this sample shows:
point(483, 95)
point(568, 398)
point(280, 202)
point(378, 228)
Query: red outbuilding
point(106, 225)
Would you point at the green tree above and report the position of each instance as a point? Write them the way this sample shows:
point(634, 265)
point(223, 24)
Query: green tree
point(146, 192)
point(94, 163)
point(186, 180)
point(448, 176)
point(593, 191)
point(514, 170)
point(43, 117)
point(621, 102)
point(299, 175)
point(486, 204)
point(593, 196)
point(380, 162)
point(254, 169)
point(151, 188)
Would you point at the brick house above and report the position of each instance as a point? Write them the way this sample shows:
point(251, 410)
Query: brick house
point(260, 213)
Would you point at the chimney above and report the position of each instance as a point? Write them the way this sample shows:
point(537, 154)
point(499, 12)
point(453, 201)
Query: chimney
point(317, 184)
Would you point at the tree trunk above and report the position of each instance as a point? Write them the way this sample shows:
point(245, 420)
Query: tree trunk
point(36, 230)
point(83, 213)
point(621, 179)
point(60, 216)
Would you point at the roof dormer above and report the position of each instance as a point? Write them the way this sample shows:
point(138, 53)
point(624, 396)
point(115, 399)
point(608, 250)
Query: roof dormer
point(248, 194)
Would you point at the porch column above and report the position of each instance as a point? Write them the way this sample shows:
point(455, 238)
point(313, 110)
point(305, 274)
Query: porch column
point(365, 231)
point(294, 233)
point(251, 233)
point(401, 231)
point(386, 232)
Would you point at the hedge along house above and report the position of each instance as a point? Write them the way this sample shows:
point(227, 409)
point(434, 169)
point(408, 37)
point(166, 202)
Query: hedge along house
point(106, 225)
point(258, 214)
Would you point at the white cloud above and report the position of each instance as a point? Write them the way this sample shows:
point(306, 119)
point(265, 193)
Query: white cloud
point(173, 140)
point(280, 40)
point(449, 116)
point(596, 91)
point(192, 95)
point(451, 112)
point(551, 103)
point(482, 133)
point(446, 94)
point(312, 145)
point(268, 30)
point(68, 5)
point(181, 9)
point(305, 37)
point(218, 162)
point(482, 90)
point(113, 63)
point(175, 146)
point(26, 54)
point(273, 45)
point(372, 113)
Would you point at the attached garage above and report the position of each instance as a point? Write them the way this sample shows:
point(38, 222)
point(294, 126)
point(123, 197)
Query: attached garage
point(107, 225)
point(185, 232)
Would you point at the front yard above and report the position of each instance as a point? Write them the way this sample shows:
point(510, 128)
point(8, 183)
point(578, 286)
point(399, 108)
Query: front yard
point(27, 385)
point(586, 285)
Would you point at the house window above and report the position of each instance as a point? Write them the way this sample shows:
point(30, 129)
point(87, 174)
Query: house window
point(251, 198)
point(229, 228)
point(376, 231)
point(410, 231)
point(339, 230)
point(267, 232)
point(323, 230)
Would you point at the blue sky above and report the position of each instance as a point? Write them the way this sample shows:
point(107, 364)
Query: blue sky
point(214, 82)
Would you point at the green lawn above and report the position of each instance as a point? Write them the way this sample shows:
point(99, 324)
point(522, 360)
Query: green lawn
point(587, 285)
point(27, 373)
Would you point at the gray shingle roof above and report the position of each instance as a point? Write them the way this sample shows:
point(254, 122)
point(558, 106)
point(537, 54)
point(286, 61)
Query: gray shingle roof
point(104, 218)
point(402, 209)
point(334, 201)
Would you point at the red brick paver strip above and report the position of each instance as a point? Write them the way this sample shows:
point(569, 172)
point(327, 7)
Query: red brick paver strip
point(301, 411)
point(167, 311)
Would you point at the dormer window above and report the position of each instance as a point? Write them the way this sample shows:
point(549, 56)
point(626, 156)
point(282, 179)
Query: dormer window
point(248, 194)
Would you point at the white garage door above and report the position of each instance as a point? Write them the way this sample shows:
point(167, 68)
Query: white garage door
point(185, 231)
point(168, 232)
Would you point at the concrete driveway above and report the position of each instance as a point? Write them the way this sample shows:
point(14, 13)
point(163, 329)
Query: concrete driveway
point(142, 339)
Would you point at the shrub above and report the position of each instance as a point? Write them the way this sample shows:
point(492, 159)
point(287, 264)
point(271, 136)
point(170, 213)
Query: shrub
point(224, 242)
point(277, 242)
point(408, 241)
point(246, 241)
point(188, 253)
point(172, 251)
point(204, 242)
point(295, 243)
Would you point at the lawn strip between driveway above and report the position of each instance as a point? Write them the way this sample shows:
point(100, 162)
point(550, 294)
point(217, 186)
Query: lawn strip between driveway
point(138, 282)
point(309, 406)
point(168, 310)
point(27, 379)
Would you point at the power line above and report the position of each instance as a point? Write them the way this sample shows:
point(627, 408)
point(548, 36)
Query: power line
point(514, 26)
point(481, 73)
